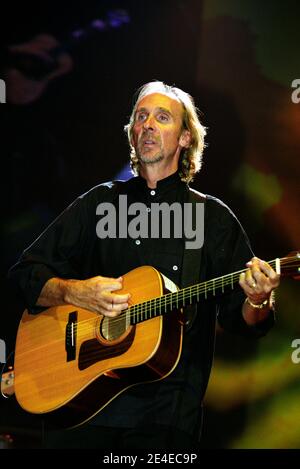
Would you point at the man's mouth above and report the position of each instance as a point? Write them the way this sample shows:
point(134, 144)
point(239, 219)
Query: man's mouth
point(148, 142)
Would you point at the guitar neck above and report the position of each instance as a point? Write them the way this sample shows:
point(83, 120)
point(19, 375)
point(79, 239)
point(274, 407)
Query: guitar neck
point(204, 290)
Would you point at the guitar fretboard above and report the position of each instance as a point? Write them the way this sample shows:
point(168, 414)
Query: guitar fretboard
point(184, 297)
point(204, 290)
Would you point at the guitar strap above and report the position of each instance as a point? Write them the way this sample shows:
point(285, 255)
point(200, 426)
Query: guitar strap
point(191, 262)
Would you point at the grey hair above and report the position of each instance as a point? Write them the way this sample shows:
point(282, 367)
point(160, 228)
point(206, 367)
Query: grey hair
point(191, 158)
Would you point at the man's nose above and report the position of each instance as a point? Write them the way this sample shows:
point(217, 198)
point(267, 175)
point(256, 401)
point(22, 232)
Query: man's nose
point(149, 123)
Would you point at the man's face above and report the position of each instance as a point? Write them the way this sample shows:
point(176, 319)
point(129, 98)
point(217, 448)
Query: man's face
point(157, 130)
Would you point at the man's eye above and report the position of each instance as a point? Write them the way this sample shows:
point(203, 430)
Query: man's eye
point(163, 117)
point(140, 117)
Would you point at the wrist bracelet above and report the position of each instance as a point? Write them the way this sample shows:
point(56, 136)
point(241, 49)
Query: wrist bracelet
point(261, 305)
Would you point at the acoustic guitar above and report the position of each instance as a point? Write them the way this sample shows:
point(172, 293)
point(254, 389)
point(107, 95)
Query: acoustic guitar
point(71, 362)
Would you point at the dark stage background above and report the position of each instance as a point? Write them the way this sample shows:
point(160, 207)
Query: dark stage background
point(238, 60)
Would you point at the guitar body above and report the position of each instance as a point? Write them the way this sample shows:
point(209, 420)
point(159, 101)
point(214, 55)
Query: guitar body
point(70, 362)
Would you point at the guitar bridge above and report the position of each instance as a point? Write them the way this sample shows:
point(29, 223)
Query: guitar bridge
point(71, 336)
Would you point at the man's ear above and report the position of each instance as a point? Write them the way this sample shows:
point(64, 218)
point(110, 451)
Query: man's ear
point(185, 139)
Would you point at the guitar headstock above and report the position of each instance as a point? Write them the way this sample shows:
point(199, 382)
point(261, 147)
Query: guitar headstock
point(290, 265)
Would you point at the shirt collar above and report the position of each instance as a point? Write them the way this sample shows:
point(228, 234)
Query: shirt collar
point(163, 185)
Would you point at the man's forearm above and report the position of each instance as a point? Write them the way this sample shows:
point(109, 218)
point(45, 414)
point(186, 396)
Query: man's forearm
point(95, 294)
point(54, 292)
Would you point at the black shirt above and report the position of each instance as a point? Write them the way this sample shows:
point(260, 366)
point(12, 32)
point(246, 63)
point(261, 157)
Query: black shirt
point(70, 248)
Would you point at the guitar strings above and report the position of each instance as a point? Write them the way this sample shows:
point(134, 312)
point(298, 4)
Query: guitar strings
point(143, 308)
point(146, 306)
point(185, 293)
point(96, 353)
point(163, 302)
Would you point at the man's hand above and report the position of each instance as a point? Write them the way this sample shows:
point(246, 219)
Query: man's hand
point(258, 282)
point(95, 294)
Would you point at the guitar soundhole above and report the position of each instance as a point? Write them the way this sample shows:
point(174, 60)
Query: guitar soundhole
point(113, 328)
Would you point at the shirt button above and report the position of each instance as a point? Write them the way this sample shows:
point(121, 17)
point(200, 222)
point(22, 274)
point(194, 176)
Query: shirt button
point(148, 209)
point(137, 241)
point(175, 267)
point(152, 192)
